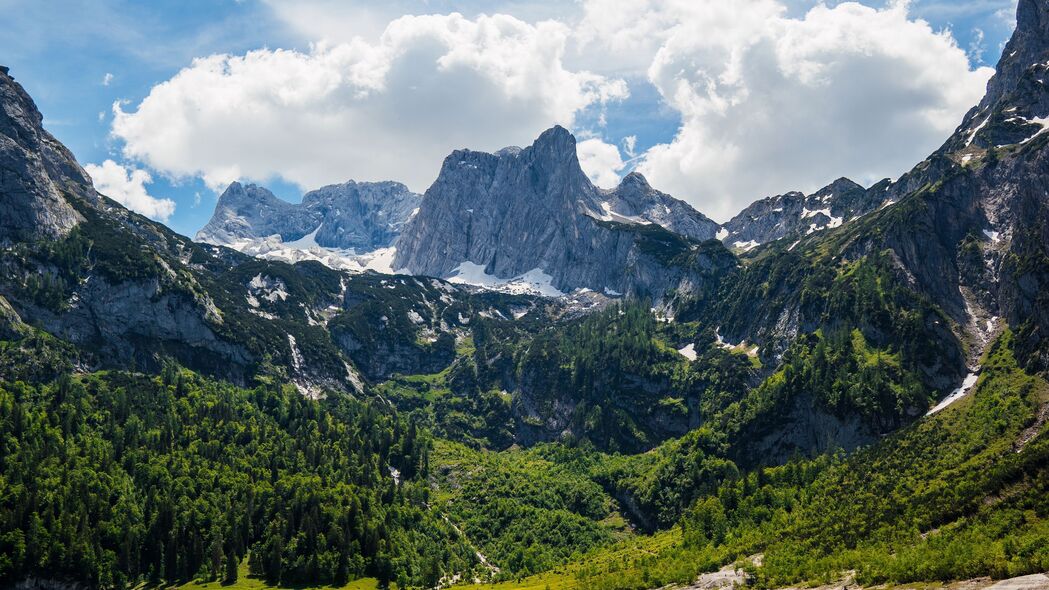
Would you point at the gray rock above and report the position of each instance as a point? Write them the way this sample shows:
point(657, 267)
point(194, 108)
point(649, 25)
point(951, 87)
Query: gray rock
point(250, 211)
point(362, 216)
point(520, 210)
point(36, 171)
point(634, 197)
point(795, 214)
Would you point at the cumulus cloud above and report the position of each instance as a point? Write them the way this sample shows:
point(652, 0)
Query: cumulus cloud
point(390, 109)
point(771, 103)
point(600, 161)
point(771, 96)
point(128, 187)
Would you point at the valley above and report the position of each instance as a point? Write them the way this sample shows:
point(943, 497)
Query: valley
point(519, 380)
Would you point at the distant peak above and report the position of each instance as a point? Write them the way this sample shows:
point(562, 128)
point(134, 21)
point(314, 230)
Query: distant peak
point(842, 184)
point(635, 179)
point(510, 150)
point(557, 137)
point(237, 193)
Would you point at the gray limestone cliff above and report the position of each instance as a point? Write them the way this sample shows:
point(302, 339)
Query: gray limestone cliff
point(35, 171)
point(522, 210)
point(362, 216)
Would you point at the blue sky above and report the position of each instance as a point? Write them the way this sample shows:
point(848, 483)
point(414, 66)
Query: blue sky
point(77, 58)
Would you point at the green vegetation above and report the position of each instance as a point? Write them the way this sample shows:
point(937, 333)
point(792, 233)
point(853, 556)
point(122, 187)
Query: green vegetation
point(626, 387)
point(453, 404)
point(524, 510)
point(113, 478)
point(960, 494)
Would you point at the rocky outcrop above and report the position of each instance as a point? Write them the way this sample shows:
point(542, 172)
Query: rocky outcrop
point(249, 212)
point(35, 171)
point(635, 199)
point(533, 210)
point(796, 215)
point(361, 216)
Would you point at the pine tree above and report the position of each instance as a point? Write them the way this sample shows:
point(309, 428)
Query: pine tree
point(231, 569)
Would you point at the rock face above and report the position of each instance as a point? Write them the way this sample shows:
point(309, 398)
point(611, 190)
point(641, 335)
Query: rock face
point(634, 198)
point(965, 231)
point(362, 216)
point(533, 210)
point(250, 212)
point(796, 214)
point(35, 171)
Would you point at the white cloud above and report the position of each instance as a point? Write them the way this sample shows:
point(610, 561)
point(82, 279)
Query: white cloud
point(128, 187)
point(772, 95)
point(600, 161)
point(392, 109)
point(107, 79)
point(977, 47)
point(771, 103)
point(630, 145)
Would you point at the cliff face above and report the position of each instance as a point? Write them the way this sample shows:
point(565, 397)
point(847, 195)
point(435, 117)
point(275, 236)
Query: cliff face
point(35, 169)
point(362, 216)
point(522, 210)
point(796, 215)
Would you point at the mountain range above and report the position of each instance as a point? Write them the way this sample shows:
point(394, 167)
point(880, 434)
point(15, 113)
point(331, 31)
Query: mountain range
point(845, 386)
point(528, 217)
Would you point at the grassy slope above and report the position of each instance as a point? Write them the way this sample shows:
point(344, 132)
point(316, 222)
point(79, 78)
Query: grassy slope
point(949, 498)
point(525, 512)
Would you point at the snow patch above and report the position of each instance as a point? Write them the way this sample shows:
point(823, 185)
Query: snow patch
point(957, 394)
point(1044, 122)
point(306, 248)
point(992, 235)
point(722, 234)
point(608, 214)
point(534, 281)
point(688, 352)
point(972, 135)
point(746, 246)
point(296, 357)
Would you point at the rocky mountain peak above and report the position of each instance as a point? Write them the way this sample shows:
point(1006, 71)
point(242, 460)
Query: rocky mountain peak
point(237, 194)
point(361, 216)
point(534, 214)
point(795, 214)
point(39, 172)
point(556, 141)
point(1016, 105)
point(636, 181)
point(841, 185)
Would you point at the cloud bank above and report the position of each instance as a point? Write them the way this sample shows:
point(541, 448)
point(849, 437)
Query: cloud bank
point(367, 111)
point(768, 102)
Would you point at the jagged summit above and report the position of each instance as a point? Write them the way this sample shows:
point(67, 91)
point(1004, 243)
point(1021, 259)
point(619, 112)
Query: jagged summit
point(38, 171)
point(795, 214)
point(635, 179)
point(511, 213)
point(362, 216)
point(1015, 108)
